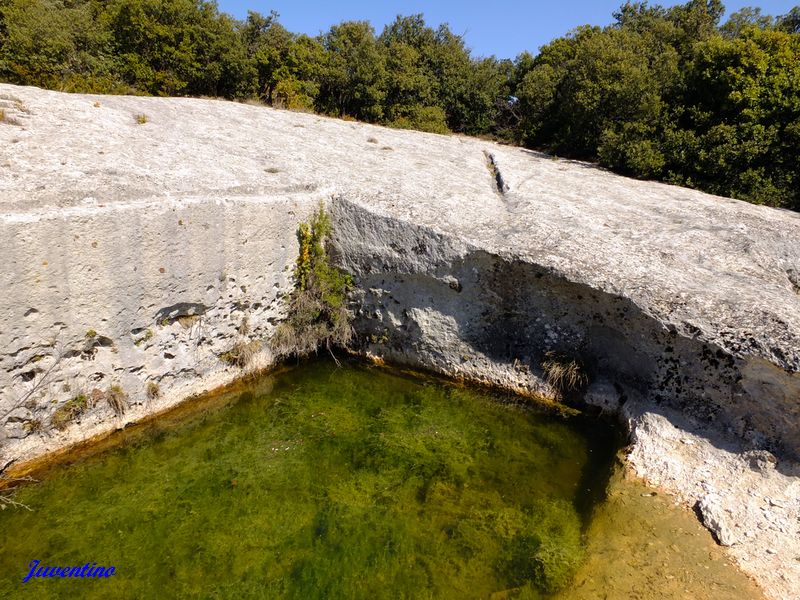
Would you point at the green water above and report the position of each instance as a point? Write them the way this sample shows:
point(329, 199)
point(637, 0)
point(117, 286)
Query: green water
point(322, 482)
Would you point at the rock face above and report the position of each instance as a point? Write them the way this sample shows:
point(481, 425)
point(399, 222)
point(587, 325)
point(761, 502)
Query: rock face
point(702, 318)
point(137, 255)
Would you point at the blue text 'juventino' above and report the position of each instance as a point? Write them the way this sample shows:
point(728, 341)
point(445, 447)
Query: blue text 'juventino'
point(84, 571)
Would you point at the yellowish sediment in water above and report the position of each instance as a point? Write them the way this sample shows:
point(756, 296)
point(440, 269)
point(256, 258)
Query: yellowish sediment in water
point(642, 546)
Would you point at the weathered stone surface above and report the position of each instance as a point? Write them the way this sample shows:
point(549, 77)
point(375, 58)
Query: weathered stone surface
point(137, 254)
point(717, 519)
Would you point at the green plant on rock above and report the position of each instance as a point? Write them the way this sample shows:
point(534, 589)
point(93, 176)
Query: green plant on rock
point(69, 411)
point(148, 335)
point(318, 314)
point(33, 426)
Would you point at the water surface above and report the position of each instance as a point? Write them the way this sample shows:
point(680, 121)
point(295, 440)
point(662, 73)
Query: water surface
point(322, 482)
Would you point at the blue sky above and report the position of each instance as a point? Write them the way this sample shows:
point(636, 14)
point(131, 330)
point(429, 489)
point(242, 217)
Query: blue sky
point(498, 27)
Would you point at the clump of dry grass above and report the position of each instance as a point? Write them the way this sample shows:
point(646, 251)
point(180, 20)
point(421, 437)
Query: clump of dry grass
point(142, 118)
point(563, 373)
point(6, 118)
point(117, 399)
point(188, 321)
point(241, 354)
point(153, 391)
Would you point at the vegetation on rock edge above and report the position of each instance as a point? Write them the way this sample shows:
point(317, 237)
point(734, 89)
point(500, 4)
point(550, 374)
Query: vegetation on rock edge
point(318, 314)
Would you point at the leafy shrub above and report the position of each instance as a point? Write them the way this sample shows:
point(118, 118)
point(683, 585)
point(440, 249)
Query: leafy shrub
point(318, 314)
point(422, 118)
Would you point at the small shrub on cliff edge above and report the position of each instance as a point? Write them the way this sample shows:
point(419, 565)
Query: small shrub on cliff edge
point(318, 314)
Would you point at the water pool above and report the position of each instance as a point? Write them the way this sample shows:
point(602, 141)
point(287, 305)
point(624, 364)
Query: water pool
point(322, 482)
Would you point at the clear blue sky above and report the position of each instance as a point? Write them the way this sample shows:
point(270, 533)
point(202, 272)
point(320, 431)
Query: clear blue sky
point(498, 27)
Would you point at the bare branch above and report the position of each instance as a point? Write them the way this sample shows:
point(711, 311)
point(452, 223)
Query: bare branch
point(58, 354)
point(9, 490)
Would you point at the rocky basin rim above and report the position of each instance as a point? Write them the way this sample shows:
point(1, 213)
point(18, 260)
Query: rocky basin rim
point(138, 254)
point(195, 404)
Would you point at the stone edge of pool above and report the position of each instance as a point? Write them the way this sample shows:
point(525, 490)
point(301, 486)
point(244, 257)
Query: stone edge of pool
point(135, 256)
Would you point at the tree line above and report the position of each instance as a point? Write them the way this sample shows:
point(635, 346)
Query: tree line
point(672, 94)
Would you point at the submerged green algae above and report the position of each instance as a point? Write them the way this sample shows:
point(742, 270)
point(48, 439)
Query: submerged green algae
point(319, 483)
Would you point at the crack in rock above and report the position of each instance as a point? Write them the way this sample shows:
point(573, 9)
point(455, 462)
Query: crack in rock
point(499, 182)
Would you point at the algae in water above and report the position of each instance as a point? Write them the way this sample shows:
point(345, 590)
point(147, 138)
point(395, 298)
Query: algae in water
point(332, 483)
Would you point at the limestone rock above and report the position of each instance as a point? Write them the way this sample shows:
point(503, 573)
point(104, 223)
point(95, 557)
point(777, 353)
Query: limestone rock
point(717, 520)
point(603, 395)
point(135, 253)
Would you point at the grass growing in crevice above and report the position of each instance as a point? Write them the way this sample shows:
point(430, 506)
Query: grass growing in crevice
point(68, 412)
point(117, 399)
point(318, 315)
point(241, 353)
point(153, 390)
point(564, 373)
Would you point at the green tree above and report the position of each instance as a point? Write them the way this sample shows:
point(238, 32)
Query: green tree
point(267, 43)
point(299, 77)
point(411, 90)
point(742, 107)
point(353, 82)
point(173, 47)
point(52, 44)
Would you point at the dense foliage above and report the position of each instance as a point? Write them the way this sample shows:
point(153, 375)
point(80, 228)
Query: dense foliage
point(669, 94)
point(663, 93)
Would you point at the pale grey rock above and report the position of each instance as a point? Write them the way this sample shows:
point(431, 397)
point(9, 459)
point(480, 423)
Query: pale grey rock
point(717, 520)
point(470, 258)
point(603, 395)
point(15, 424)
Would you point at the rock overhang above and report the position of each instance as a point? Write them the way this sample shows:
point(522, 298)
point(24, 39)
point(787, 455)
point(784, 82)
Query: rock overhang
point(704, 267)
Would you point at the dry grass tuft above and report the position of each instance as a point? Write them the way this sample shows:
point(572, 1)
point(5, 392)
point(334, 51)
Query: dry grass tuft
point(153, 391)
point(117, 399)
point(563, 373)
point(241, 354)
